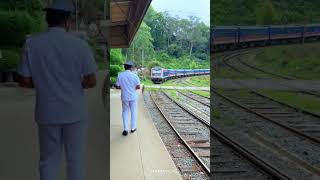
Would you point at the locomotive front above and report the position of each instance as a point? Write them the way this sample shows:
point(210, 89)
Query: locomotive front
point(157, 75)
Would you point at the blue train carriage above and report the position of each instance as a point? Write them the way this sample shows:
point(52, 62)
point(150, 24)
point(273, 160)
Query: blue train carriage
point(252, 36)
point(160, 75)
point(286, 34)
point(172, 73)
point(223, 37)
point(312, 32)
point(179, 73)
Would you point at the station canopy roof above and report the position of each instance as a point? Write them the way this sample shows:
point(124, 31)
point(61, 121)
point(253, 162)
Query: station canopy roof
point(124, 21)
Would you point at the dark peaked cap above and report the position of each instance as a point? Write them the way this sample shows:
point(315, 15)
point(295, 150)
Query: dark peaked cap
point(61, 5)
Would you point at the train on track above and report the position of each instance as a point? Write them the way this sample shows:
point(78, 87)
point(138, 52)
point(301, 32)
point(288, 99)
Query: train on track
point(235, 37)
point(160, 75)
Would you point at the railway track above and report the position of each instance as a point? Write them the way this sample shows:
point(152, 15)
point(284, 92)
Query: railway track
point(189, 94)
point(200, 99)
point(198, 102)
point(305, 125)
point(187, 128)
point(302, 122)
point(226, 60)
point(299, 127)
point(229, 160)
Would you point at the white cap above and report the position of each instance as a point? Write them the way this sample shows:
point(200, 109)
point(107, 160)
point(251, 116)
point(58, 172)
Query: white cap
point(62, 5)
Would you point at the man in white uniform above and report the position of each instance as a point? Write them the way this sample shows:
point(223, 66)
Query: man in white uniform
point(128, 82)
point(59, 66)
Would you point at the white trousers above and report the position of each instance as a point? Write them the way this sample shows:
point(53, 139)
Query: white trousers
point(52, 138)
point(129, 107)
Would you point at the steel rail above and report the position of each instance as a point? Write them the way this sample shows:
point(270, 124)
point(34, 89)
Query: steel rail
point(195, 99)
point(266, 72)
point(198, 159)
point(273, 171)
point(185, 82)
point(272, 99)
point(284, 104)
point(296, 131)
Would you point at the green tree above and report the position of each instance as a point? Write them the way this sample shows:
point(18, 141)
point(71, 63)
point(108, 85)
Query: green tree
point(153, 64)
point(141, 49)
point(15, 26)
point(239, 12)
point(172, 41)
point(116, 61)
point(266, 14)
point(157, 22)
point(116, 57)
point(193, 65)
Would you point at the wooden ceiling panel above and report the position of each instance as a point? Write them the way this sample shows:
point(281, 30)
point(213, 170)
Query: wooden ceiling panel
point(126, 17)
point(118, 37)
point(119, 11)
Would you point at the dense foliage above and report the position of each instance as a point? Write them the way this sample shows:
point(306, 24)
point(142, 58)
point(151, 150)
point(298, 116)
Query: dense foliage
point(169, 42)
point(15, 26)
point(18, 18)
point(116, 61)
point(267, 12)
point(10, 59)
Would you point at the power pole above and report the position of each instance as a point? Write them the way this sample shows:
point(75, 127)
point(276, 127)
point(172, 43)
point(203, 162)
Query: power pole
point(105, 10)
point(77, 15)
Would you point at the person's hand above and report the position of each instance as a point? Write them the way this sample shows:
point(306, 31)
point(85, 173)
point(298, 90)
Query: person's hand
point(89, 81)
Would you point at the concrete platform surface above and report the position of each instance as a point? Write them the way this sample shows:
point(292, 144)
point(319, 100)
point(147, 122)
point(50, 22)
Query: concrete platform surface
point(19, 152)
point(140, 155)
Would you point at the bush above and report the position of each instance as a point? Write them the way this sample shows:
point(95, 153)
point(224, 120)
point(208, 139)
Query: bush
point(163, 57)
point(113, 80)
point(175, 50)
point(32, 7)
point(203, 56)
point(39, 22)
point(14, 27)
point(10, 59)
point(29, 5)
point(116, 57)
point(153, 64)
point(114, 70)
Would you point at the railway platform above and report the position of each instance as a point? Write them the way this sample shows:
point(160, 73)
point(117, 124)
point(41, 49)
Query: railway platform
point(140, 155)
point(19, 140)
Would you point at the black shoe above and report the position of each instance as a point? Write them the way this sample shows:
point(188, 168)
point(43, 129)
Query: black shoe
point(125, 133)
point(133, 130)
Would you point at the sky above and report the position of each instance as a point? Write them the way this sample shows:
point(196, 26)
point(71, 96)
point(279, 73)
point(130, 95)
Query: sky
point(185, 8)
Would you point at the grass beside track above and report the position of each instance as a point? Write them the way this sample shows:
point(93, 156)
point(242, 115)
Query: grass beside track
point(219, 117)
point(202, 93)
point(298, 60)
point(201, 81)
point(147, 82)
point(172, 83)
point(298, 100)
point(227, 73)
